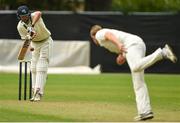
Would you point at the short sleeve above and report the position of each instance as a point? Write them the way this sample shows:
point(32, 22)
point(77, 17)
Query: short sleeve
point(32, 15)
point(100, 35)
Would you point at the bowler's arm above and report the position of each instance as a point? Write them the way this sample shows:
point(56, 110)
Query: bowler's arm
point(111, 37)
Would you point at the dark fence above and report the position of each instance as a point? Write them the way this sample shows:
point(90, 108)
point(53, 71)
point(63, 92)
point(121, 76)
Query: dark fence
point(156, 29)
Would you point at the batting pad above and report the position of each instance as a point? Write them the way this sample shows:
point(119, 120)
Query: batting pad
point(42, 65)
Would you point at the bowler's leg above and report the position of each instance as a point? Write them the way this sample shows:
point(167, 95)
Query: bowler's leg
point(138, 61)
point(134, 56)
point(142, 97)
point(141, 93)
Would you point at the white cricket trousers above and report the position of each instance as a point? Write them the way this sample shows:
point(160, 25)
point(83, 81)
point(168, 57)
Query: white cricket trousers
point(40, 62)
point(137, 62)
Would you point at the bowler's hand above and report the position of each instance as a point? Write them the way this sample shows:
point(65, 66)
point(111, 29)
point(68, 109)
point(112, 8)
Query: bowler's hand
point(121, 59)
point(122, 49)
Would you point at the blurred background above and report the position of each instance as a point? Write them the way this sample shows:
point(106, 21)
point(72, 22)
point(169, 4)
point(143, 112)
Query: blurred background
point(156, 21)
point(95, 5)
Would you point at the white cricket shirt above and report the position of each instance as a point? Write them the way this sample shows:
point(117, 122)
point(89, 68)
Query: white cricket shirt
point(126, 38)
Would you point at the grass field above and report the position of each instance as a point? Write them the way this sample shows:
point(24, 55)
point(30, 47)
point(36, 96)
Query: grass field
point(90, 98)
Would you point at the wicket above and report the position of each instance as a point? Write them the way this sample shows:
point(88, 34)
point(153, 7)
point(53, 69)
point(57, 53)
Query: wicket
point(25, 63)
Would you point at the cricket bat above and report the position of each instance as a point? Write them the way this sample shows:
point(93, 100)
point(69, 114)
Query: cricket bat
point(24, 49)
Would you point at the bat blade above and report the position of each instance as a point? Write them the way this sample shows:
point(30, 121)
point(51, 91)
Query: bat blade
point(24, 49)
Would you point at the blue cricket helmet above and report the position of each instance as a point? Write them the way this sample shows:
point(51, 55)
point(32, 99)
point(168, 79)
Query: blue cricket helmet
point(23, 10)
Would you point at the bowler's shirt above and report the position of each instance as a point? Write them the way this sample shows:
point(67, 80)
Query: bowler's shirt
point(126, 38)
point(40, 28)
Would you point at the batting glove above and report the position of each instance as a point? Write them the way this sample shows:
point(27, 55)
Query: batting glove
point(31, 32)
point(28, 37)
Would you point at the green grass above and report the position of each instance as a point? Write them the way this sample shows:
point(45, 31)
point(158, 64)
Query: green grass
point(90, 98)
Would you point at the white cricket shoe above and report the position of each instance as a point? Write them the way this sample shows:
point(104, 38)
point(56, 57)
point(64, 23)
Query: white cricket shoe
point(36, 95)
point(32, 99)
point(36, 98)
point(169, 53)
point(143, 117)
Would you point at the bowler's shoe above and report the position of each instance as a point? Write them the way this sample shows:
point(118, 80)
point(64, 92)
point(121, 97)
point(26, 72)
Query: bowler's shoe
point(169, 54)
point(145, 116)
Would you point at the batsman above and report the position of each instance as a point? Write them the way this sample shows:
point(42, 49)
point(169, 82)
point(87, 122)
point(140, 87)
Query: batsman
point(35, 34)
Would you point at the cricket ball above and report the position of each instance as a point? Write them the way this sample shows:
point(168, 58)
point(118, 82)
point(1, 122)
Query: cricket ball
point(31, 49)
